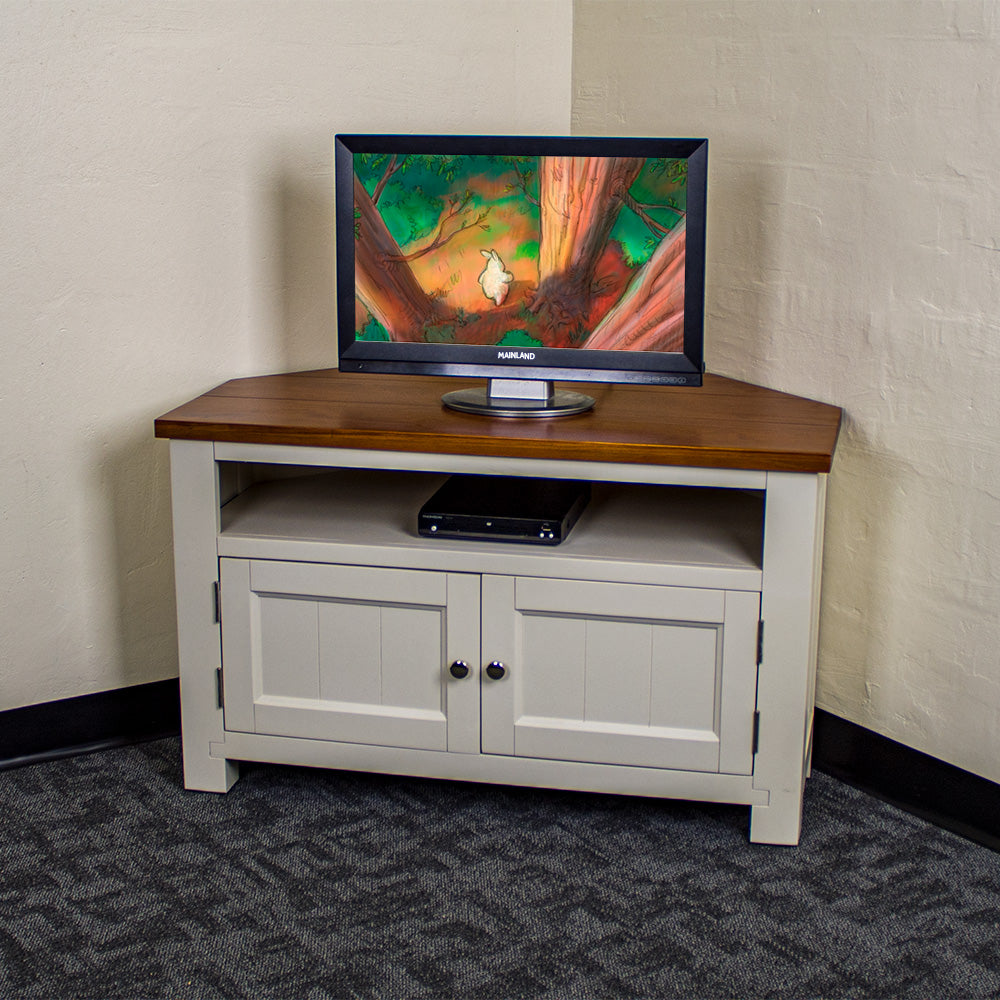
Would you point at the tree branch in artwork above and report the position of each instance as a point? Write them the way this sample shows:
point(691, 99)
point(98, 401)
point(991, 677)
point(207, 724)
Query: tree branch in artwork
point(656, 228)
point(525, 179)
point(457, 209)
point(394, 165)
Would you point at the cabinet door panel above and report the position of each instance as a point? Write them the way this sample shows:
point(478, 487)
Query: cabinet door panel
point(619, 673)
point(619, 670)
point(412, 655)
point(684, 696)
point(288, 634)
point(353, 654)
point(560, 689)
point(351, 635)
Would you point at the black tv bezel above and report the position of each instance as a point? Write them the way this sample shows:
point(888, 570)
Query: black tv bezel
point(562, 364)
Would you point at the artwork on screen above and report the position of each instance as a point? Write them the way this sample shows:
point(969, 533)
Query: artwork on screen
point(522, 258)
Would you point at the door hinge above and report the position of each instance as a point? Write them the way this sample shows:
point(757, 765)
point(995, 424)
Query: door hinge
point(219, 695)
point(760, 643)
point(756, 733)
point(217, 603)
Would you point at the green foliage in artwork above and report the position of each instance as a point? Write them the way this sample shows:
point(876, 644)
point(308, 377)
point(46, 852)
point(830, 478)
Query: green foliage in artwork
point(526, 250)
point(673, 171)
point(445, 333)
point(519, 338)
point(524, 182)
point(373, 330)
point(417, 191)
point(442, 333)
point(636, 242)
point(658, 196)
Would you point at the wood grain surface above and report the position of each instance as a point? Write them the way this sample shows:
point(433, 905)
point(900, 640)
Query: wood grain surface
point(723, 424)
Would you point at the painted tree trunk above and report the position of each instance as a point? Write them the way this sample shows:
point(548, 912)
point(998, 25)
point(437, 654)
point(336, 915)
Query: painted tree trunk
point(579, 201)
point(383, 281)
point(650, 314)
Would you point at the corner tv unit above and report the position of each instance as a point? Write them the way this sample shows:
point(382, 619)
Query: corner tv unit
point(667, 647)
point(522, 260)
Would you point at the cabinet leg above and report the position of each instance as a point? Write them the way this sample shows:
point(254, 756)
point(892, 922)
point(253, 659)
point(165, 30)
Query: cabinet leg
point(779, 822)
point(195, 500)
point(793, 533)
point(203, 773)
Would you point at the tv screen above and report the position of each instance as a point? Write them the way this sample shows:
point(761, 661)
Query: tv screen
point(522, 260)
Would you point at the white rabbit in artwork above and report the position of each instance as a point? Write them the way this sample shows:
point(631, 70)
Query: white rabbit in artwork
point(494, 279)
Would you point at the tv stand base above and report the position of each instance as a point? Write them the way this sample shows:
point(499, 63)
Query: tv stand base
point(518, 398)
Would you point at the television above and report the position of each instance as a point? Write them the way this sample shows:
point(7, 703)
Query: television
point(522, 260)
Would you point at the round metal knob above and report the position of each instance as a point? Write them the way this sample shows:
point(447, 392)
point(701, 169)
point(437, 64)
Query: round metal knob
point(459, 669)
point(495, 670)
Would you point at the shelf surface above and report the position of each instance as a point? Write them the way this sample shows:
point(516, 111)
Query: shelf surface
point(671, 535)
point(724, 424)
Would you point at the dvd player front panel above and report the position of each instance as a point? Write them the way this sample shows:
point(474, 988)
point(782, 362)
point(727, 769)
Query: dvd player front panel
point(499, 529)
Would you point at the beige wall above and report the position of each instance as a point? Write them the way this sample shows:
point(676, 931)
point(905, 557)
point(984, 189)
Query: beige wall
point(854, 246)
point(166, 224)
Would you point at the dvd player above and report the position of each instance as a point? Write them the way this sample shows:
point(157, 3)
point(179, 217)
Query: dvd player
point(504, 509)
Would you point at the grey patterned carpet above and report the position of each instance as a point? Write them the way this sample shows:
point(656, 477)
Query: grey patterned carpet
point(116, 883)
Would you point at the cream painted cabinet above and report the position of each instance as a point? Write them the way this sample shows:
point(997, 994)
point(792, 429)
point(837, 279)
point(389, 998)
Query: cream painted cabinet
point(519, 666)
point(348, 653)
point(612, 673)
point(624, 660)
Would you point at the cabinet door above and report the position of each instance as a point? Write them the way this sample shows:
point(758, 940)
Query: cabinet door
point(350, 653)
point(620, 673)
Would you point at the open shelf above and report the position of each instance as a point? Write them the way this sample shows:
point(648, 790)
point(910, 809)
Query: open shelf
point(655, 534)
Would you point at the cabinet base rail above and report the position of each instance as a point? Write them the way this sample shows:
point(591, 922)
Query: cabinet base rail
point(649, 782)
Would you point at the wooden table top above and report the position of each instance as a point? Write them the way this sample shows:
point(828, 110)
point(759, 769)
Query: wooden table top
point(724, 424)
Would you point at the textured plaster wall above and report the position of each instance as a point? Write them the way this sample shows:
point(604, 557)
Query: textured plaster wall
point(166, 224)
point(854, 242)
